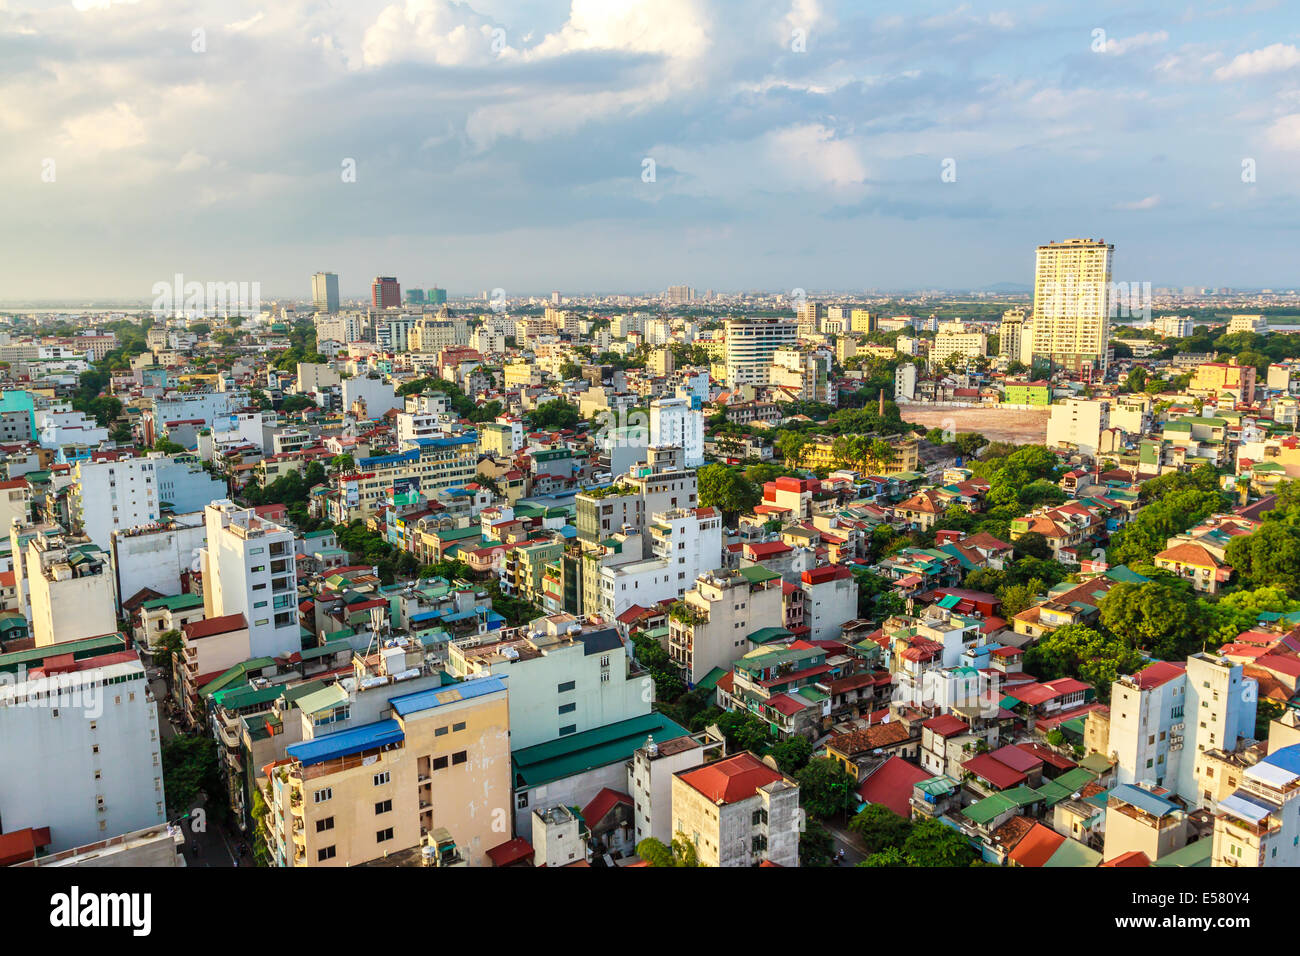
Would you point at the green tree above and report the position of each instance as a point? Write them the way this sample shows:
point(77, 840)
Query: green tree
point(1158, 616)
point(880, 828)
point(1270, 557)
point(825, 788)
point(792, 754)
point(724, 488)
point(816, 848)
point(655, 853)
point(932, 843)
point(189, 770)
point(1079, 651)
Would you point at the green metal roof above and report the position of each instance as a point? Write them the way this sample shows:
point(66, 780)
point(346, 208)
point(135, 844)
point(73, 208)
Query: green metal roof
point(176, 602)
point(710, 680)
point(1076, 779)
point(80, 650)
point(1194, 854)
point(246, 695)
point(576, 753)
point(757, 574)
point(766, 635)
point(237, 674)
point(327, 698)
point(1074, 853)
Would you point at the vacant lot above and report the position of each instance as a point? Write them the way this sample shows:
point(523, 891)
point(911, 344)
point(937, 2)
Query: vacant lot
point(1016, 425)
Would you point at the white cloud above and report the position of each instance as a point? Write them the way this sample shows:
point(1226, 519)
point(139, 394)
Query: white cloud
point(1150, 202)
point(114, 128)
point(1285, 132)
point(1271, 59)
point(432, 31)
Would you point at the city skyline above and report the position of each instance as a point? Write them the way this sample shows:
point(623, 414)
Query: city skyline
point(577, 146)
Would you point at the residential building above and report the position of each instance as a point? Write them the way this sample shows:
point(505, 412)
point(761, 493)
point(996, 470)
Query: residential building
point(81, 749)
point(710, 626)
point(71, 589)
point(1259, 824)
point(751, 344)
point(440, 762)
point(1071, 317)
point(248, 568)
point(565, 677)
point(737, 811)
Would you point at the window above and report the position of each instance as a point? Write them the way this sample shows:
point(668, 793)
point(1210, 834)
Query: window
point(383, 836)
point(324, 853)
point(383, 806)
point(568, 708)
point(439, 763)
point(440, 732)
point(569, 729)
point(457, 728)
point(320, 796)
point(459, 756)
point(566, 686)
point(326, 824)
point(382, 778)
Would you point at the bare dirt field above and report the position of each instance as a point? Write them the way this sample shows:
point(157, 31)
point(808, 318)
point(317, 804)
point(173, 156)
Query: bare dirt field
point(1016, 425)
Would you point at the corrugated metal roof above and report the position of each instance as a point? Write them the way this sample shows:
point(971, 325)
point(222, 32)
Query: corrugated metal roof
point(423, 700)
point(345, 742)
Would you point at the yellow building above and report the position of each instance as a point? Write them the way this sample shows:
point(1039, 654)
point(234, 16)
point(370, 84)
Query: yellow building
point(441, 762)
point(823, 451)
point(522, 373)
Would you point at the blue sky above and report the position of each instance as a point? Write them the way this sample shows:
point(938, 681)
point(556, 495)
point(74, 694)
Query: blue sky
point(502, 143)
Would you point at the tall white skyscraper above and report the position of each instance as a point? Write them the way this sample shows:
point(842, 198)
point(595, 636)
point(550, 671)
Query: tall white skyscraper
point(1071, 321)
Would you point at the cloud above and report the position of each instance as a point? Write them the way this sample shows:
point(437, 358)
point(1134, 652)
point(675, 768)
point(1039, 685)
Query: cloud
point(1150, 202)
point(1271, 59)
point(1285, 132)
point(432, 31)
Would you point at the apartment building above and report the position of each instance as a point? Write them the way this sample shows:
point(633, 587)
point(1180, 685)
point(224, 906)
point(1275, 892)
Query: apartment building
point(737, 811)
point(680, 422)
point(70, 587)
point(650, 783)
point(248, 568)
point(1259, 824)
point(1076, 424)
point(426, 465)
point(1166, 715)
point(81, 750)
point(663, 484)
point(710, 626)
point(804, 376)
point(1071, 317)
point(565, 677)
point(957, 345)
point(109, 496)
point(441, 761)
point(684, 544)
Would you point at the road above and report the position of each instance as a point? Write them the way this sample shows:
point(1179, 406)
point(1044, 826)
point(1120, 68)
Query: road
point(216, 845)
point(842, 839)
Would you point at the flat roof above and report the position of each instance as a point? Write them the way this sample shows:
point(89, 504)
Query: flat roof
point(599, 747)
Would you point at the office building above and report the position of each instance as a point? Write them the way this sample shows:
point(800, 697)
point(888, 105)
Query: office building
point(325, 292)
point(385, 293)
point(751, 344)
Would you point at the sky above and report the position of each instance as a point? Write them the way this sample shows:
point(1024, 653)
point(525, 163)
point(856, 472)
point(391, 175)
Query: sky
point(629, 145)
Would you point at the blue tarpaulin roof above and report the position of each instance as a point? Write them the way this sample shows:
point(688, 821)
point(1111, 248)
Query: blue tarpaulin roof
point(346, 742)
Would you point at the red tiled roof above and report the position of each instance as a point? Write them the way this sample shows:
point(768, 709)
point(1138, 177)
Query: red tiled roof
point(1131, 858)
point(732, 778)
point(1156, 674)
point(945, 725)
point(1037, 846)
point(891, 785)
point(215, 625)
point(602, 803)
point(512, 851)
point(994, 771)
